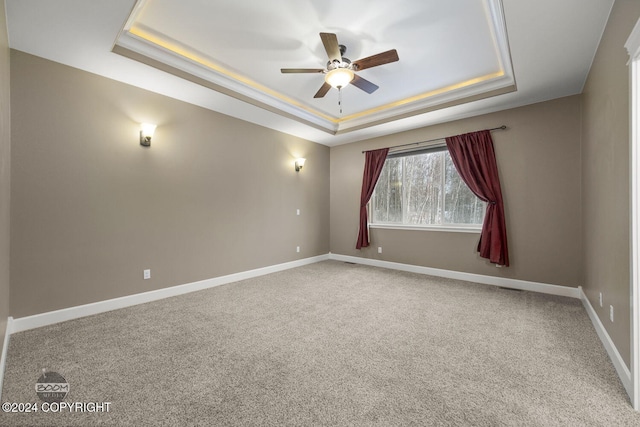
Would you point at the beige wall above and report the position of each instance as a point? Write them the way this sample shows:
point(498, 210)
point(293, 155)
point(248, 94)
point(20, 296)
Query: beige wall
point(605, 176)
point(5, 163)
point(539, 164)
point(91, 208)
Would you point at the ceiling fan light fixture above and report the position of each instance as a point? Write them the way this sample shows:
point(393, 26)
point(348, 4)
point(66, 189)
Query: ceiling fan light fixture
point(339, 77)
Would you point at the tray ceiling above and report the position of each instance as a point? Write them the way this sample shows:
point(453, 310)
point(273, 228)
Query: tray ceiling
point(449, 52)
point(457, 58)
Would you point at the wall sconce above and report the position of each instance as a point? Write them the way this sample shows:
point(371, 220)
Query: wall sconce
point(146, 132)
point(299, 164)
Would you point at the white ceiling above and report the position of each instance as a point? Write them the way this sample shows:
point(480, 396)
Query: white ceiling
point(226, 55)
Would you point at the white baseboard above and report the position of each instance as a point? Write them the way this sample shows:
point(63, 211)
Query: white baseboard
point(5, 348)
point(470, 277)
point(52, 317)
point(618, 363)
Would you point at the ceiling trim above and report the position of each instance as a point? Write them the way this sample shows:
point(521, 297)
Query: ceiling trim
point(210, 85)
point(439, 106)
point(205, 72)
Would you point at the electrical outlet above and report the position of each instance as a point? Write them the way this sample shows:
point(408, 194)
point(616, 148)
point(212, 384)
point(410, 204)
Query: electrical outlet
point(600, 299)
point(379, 249)
point(611, 313)
point(146, 274)
point(297, 211)
point(297, 248)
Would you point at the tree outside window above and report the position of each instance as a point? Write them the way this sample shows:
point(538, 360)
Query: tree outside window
point(424, 189)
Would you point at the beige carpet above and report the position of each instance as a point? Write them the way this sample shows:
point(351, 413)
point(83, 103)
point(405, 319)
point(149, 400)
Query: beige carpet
point(329, 344)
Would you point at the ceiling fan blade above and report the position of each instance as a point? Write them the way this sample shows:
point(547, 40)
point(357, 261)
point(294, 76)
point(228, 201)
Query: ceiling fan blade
point(301, 70)
point(375, 60)
point(330, 42)
point(323, 90)
point(363, 84)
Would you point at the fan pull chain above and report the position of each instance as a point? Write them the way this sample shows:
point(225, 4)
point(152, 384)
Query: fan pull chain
point(340, 98)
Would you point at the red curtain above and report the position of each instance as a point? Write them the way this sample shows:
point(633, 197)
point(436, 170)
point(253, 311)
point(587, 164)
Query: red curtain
point(475, 160)
point(373, 163)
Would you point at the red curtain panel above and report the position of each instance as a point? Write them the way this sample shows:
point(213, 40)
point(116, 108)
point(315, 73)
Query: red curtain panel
point(474, 158)
point(373, 163)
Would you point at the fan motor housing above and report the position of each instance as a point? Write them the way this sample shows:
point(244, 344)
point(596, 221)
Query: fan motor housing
point(345, 63)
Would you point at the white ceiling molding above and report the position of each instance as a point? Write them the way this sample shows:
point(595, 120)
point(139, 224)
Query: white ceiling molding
point(166, 60)
point(633, 43)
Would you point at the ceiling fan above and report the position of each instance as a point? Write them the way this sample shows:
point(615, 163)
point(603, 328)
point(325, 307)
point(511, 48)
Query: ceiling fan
point(340, 71)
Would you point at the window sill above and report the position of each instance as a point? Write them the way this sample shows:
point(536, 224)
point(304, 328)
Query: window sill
point(447, 228)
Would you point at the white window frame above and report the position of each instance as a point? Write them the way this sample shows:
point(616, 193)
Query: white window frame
point(456, 228)
point(449, 228)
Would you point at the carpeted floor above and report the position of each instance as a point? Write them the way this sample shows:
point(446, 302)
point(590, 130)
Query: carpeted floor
point(329, 344)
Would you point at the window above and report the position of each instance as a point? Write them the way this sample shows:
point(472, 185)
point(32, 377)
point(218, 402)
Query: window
point(424, 190)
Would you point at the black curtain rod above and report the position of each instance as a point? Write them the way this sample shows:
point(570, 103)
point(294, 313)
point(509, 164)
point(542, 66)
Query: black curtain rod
point(503, 127)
